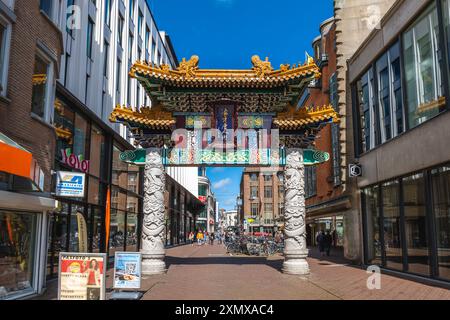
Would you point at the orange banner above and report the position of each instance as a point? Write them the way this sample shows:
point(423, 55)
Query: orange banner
point(108, 216)
point(15, 161)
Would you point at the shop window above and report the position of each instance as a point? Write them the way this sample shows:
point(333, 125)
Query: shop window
point(391, 224)
point(416, 224)
point(117, 231)
point(441, 205)
point(5, 39)
point(132, 237)
point(97, 230)
point(40, 93)
point(96, 191)
point(366, 101)
point(373, 236)
point(77, 229)
point(17, 252)
point(424, 90)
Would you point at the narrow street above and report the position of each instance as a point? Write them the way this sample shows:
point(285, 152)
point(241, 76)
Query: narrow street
point(208, 273)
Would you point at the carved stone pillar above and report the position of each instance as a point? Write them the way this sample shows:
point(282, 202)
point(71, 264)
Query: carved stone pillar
point(153, 228)
point(296, 250)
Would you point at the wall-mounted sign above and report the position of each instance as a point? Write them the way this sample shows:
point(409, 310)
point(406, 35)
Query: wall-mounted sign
point(82, 276)
point(74, 161)
point(127, 270)
point(203, 199)
point(355, 170)
point(70, 184)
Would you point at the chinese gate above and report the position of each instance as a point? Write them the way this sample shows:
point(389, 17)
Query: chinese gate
point(225, 118)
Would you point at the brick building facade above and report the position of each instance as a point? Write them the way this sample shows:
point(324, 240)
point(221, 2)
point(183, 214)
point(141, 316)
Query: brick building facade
point(32, 34)
point(262, 194)
point(324, 200)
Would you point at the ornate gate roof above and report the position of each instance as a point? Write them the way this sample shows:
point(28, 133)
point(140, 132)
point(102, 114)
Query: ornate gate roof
point(261, 98)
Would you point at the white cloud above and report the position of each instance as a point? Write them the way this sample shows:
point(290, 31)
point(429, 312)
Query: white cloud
point(222, 183)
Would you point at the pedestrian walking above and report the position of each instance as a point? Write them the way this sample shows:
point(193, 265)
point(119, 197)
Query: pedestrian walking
point(206, 237)
point(334, 236)
point(321, 243)
point(211, 239)
point(328, 240)
point(200, 238)
point(191, 238)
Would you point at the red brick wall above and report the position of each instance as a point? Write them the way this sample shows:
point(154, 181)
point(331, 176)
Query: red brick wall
point(319, 97)
point(15, 114)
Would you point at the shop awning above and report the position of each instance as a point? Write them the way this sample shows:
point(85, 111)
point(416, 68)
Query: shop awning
point(16, 160)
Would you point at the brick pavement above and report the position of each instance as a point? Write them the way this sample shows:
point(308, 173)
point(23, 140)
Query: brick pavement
point(208, 273)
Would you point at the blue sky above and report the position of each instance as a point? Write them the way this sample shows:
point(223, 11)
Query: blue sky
point(225, 34)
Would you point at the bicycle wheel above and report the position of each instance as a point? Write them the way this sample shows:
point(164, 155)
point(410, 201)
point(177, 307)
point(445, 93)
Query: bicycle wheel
point(233, 248)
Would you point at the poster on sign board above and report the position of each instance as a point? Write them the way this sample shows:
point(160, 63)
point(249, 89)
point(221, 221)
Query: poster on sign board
point(81, 276)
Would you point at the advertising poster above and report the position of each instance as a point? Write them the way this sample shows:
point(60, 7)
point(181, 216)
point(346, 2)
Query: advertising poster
point(70, 184)
point(127, 270)
point(81, 276)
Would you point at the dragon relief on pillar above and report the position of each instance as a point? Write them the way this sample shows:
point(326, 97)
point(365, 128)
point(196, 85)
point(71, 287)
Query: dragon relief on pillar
point(295, 226)
point(154, 207)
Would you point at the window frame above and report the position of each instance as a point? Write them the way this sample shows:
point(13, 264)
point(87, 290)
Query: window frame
point(5, 50)
point(49, 93)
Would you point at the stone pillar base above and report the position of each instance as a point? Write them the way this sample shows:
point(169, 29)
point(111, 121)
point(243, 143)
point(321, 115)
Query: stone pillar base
point(296, 264)
point(153, 265)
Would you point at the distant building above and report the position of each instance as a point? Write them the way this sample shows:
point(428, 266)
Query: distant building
point(207, 218)
point(262, 195)
point(231, 219)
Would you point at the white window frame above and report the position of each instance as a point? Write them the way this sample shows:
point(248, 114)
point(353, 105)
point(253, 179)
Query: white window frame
point(5, 54)
point(49, 86)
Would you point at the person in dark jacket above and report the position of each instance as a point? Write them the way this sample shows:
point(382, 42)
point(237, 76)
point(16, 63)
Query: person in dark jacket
point(328, 241)
point(321, 243)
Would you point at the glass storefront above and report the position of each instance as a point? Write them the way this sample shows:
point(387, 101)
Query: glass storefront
point(79, 136)
point(415, 221)
point(441, 210)
point(17, 250)
point(372, 209)
point(391, 225)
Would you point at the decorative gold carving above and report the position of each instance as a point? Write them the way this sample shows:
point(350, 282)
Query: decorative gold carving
point(63, 133)
point(294, 119)
point(39, 79)
point(188, 68)
point(261, 68)
point(155, 118)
